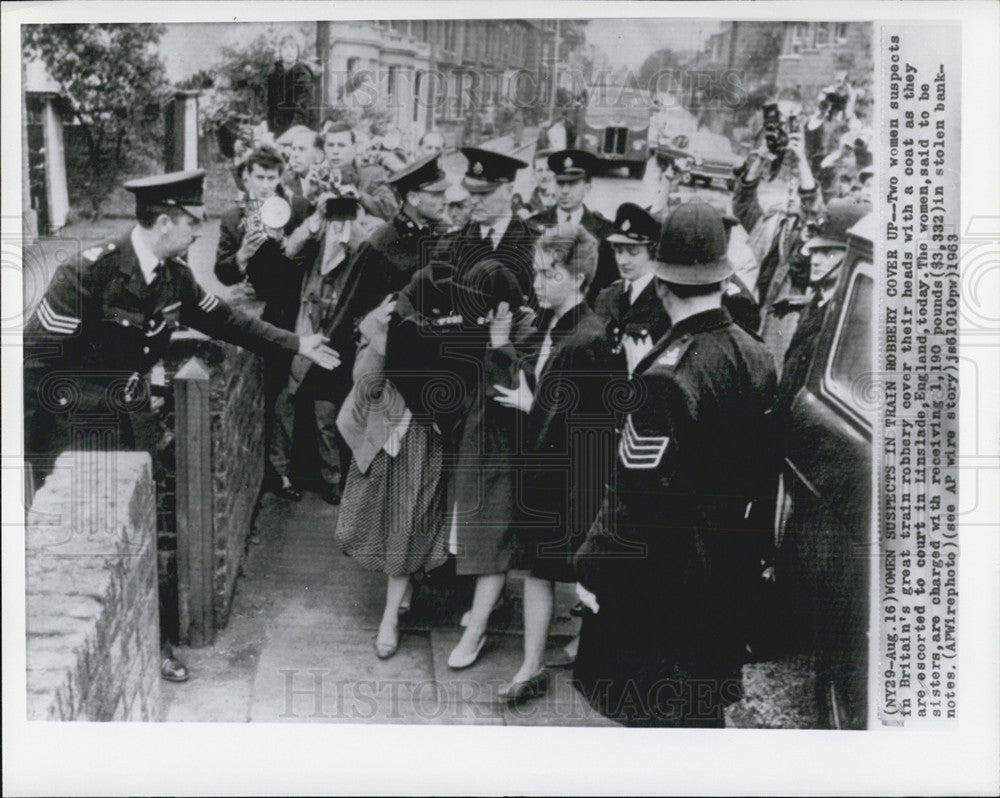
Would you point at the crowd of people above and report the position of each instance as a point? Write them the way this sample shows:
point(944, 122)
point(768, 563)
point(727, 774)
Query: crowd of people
point(514, 386)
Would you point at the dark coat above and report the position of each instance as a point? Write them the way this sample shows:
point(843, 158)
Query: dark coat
point(600, 228)
point(99, 329)
point(567, 439)
point(290, 98)
point(516, 251)
point(645, 316)
point(439, 358)
point(268, 270)
point(672, 557)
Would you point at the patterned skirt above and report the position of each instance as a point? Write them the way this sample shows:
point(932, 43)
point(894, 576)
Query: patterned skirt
point(392, 518)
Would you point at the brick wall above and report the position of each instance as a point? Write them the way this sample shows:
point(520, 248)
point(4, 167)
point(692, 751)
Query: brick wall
point(93, 643)
point(237, 409)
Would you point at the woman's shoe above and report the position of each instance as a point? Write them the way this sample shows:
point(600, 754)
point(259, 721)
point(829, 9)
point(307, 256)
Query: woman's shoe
point(535, 686)
point(385, 649)
point(457, 661)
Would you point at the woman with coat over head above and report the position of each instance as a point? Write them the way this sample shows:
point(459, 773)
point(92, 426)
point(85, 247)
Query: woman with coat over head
point(566, 389)
point(392, 512)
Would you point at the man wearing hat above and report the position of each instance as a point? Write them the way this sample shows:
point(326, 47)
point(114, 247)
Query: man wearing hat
point(668, 566)
point(573, 170)
point(630, 305)
point(106, 319)
point(826, 250)
point(493, 230)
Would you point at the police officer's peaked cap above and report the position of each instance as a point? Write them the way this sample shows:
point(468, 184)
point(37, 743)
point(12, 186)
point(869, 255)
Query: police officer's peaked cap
point(841, 216)
point(572, 165)
point(693, 246)
point(487, 169)
point(424, 174)
point(174, 189)
point(634, 225)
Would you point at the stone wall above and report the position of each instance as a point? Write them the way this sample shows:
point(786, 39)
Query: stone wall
point(93, 643)
point(237, 410)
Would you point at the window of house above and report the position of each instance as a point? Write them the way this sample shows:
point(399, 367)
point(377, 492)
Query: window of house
point(822, 33)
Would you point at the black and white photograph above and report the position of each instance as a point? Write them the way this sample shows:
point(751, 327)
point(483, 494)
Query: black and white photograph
point(594, 374)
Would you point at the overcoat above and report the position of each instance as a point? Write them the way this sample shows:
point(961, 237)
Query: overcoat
point(567, 438)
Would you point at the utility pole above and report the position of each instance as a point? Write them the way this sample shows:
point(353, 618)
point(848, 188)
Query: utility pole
point(555, 68)
point(323, 55)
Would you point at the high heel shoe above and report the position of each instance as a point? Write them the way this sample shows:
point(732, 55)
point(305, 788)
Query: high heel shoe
point(456, 661)
point(535, 686)
point(383, 649)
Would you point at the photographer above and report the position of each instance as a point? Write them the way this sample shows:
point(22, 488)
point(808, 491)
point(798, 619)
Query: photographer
point(250, 250)
point(323, 243)
point(775, 237)
point(340, 159)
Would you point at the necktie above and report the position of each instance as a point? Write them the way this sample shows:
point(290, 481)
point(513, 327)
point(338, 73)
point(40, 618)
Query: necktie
point(489, 237)
point(158, 271)
point(629, 299)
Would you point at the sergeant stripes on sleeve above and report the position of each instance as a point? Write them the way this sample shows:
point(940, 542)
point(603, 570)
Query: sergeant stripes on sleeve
point(208, 303)
point(637, 451)
point(56, 322)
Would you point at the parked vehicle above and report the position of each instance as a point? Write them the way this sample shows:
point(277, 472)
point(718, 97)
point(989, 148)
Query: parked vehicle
point(824, 523)
point(700, 157)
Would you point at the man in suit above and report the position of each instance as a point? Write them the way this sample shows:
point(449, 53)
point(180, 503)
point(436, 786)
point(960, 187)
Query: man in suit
point(573, 170)
point(493, 231)
point(106, 320)
point(249, 251)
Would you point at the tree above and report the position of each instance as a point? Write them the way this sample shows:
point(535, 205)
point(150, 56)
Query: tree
point(655, 63)
point(112, 80)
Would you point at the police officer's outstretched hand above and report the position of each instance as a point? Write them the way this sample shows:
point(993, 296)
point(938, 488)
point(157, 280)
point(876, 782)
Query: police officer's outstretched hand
point(314, 347)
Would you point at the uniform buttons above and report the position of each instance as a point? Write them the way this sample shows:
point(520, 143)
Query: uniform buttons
point(63, 400)
point(125, 323)
point(145, 350)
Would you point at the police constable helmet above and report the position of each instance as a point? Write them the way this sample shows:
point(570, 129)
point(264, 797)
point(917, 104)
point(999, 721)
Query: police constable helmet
point(693, 246)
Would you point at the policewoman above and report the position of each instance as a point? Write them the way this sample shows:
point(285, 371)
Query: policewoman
point(106, 319)
point(667, 566)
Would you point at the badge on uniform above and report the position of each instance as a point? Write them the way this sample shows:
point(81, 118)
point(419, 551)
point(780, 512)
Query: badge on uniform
point(672, 356)
point(640, 451)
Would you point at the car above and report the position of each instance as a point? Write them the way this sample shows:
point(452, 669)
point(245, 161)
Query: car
point(700, 157)
point(823, 523)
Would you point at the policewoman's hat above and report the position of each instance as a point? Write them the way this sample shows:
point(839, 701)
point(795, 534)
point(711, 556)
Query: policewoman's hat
point(173, 190)
point(422, 175)
point(572, 165)
point(633, 225)
point(488, 170)
point(693, 246)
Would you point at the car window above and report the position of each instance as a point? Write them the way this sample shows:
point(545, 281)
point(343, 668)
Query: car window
point(849, 367)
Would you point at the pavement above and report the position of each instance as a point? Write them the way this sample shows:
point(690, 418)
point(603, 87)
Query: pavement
point(299, 645)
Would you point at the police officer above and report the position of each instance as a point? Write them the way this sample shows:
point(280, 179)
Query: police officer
point(630, 305)
point(493, 230)
point(106, 319)
point(668, 564)
point(573, 170)
point(391, 256)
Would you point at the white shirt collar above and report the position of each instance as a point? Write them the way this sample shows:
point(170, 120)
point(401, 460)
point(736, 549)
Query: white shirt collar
point(575, 216)
point(499, 228)
point(638, 286)
point(147, 259)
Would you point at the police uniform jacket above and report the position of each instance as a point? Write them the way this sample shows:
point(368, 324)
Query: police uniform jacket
point(672, 556)
point(600, 228)
point(268, 270)
point(100, 328)
point(567, 438)
point(645, 316)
